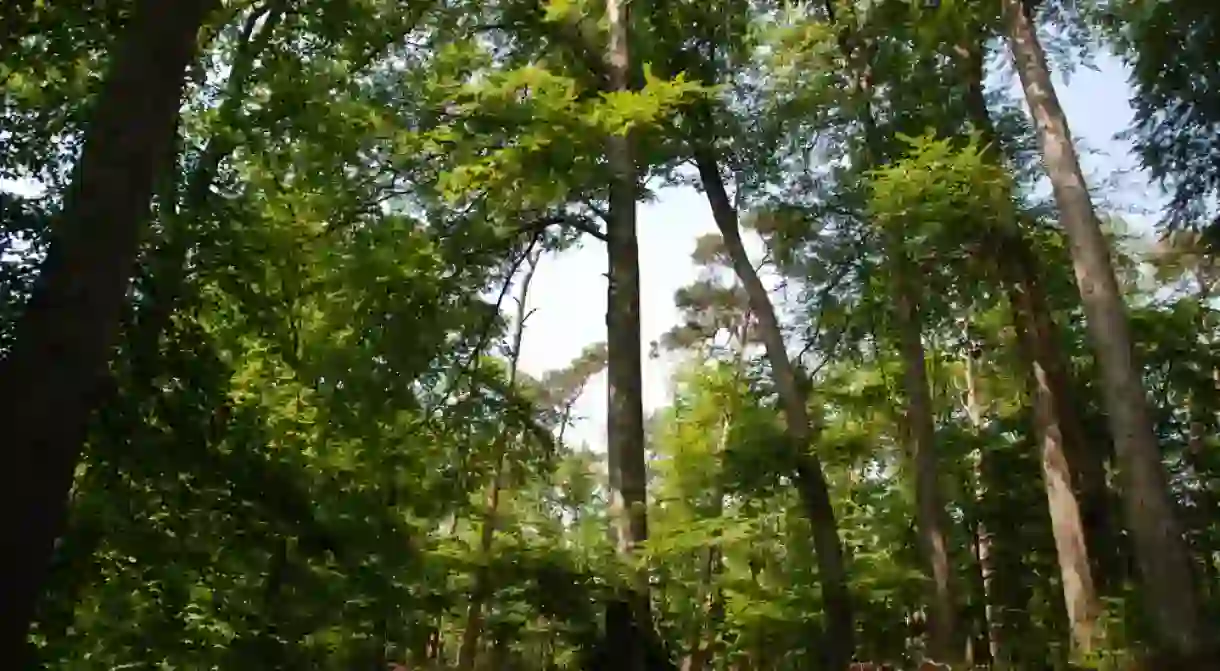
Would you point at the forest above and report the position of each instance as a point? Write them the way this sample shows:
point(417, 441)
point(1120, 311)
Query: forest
point(265, 269)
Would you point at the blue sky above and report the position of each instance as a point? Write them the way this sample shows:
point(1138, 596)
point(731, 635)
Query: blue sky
point(569, 290)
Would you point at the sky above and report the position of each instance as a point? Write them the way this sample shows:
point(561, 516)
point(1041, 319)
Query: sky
point(568, 294)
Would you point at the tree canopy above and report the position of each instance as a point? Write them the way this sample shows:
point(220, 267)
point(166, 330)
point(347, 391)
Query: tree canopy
point(265, 284)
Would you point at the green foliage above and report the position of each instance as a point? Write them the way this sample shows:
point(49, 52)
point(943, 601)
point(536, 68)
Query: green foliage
point(310, 398)
point(1175, 63)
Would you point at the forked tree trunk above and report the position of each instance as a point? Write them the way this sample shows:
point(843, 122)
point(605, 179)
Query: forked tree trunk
point(1015, 257)
point(1159, 547)
point(51, 378)
point(1068, 465)
point(931, 519)
point(628, 624)
point(839, 639)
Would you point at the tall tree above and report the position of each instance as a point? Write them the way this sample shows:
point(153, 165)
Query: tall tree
point(944, 643)
point(628, 622)
point(810, 479)
point(1160, 550)
point(1068, 464)
point(482, 589)
point(63, 341)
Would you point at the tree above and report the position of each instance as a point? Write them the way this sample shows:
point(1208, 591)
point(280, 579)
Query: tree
point(474, 615)
point(1068, 465)
point(1160, 551)
point(628, 622)
point(55, 369)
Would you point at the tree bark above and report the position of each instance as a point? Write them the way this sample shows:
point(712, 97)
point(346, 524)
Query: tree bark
point(1033, 321)
point(1160, 549)
point(627, 623)
point(169, 262)
point(1019, 266)
point(944, 640)
point(50, 379)
point(839, 639)
point(1079, 593)
point(1069, 466)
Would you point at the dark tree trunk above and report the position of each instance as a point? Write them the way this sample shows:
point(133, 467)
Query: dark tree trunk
point(483, 588)
point(50, 380)
point(945, 642)
point(838, 643)
point(629, 621)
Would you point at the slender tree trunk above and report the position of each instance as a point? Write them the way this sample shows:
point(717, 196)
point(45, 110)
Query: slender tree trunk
point(181, 225)
point(628, 624)
point(1160, 549)
point(944, 639)
point(981, 546)
point(50, 379)
point(482, 582)
point(984, 577)
point(699, 651)
point(839, 640)
point(1032, 320)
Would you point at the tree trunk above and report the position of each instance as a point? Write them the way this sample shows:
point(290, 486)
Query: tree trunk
point(985, 571)
point(1032, 316)
point(984, 577)
point(1079, 593)
point(181, 225)
point(944, 640)
point(1160, 549)
point(1032, 320)
point(1066, 458)
point(629, 623)
point(50, 380)
point(482, 581)
point(839, 639)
